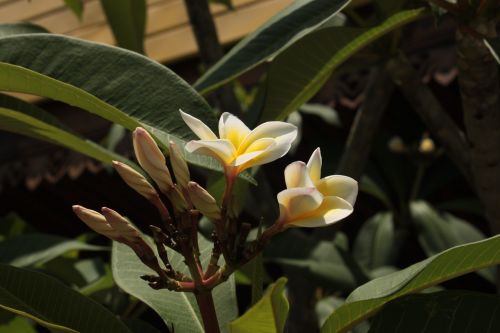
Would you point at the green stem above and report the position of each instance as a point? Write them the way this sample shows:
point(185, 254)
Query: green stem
point(418, 181)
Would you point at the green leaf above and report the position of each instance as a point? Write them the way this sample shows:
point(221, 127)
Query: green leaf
point(370, 297)
point(369, 186)
point(127, 19)
point(76, 7)
point(34, 249)
point(9, 29)
point(175, 308)
point(374, 246)
point(257, 278)
point(299, 72)
point(50, 303)
point(17, 325)
point(322, 262)
point(67, 70)
point(446, 311)
point(440, 232)
point(494, 45)
point(294, 22)
point(23, 118)
point(266, 316)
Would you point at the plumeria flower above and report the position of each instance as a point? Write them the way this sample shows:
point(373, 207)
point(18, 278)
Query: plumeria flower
point(237, 147)
point(312, 201)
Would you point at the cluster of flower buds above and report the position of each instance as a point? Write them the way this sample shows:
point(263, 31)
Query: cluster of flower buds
point(308, 201)
point(425, 146)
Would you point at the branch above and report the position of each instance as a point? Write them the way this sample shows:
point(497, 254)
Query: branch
point(366, 124)
point(435, 118)
point(480, 91)
point(209, 47)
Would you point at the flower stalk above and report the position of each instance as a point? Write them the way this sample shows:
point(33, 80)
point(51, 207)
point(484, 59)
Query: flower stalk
point(181, 201)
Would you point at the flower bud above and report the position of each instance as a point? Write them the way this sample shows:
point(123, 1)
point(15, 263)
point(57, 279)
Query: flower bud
point(396, 145)
point(151, 159)
point(426, 146)
point(177, 199)
point(135, 180)
point(93, 220)
point(122, 227)
point(179, 165)
point(203, 201)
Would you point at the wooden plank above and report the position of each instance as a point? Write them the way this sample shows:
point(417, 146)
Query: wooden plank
point(26, 10)
point(178, 43)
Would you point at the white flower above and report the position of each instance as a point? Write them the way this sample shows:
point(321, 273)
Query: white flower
point(312, 201)
point(238, 147)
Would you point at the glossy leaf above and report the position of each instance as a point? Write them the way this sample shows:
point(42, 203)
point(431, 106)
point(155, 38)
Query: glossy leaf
point(300, 71)
point(17, 325)
point(32, 249)
point(375, 243)
point(67, 70)
point(440, 232)
point(50, 303)
point(446, 311)
point(175, 308)
point(294, 22)
point(494, 45)
point(322, 262)
point(268, 315)
point(127, 19)
point(26, 119)
point(370, 297)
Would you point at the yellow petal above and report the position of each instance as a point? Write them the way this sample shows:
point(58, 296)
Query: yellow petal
point(277, 149)
point(151, 159)
point(296, 175)
point(339, 186)
point(233, 129)
point(198, 127)
point(332, 209)
point(314, 165)
point(285, 132)
point(135, 180)
point(223, 150)
point(296, 202)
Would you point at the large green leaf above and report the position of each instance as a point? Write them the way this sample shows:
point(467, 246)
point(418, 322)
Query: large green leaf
point(17, 325)
point(127, 19)
point(299, 72)
point(268, 315)
point(118, 85)
point(446, 311)
point(32, 249)
point(374, 246)
point(52, 304)
point(23, 118)
point(175, 308)
point(370, 297)
point(494, 45)
point(440, 232)
point(295, 21)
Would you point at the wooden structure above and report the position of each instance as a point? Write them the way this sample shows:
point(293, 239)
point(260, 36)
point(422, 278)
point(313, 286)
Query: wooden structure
point(168, 33)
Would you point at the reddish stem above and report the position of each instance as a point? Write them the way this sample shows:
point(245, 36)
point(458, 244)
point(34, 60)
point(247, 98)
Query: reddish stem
point(207, 310)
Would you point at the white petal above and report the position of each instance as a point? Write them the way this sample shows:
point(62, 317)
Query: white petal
point(314, 165)
point(232, 128)
point(339, 186)
point(242, 159)
point(332, 209)
point(273, 129)
point(223, 150)
point(198, 127)
point(299, 201)
point(296, 175)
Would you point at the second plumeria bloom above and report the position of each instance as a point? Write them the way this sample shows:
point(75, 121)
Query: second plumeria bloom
point(312, 201)
point(237, 147)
